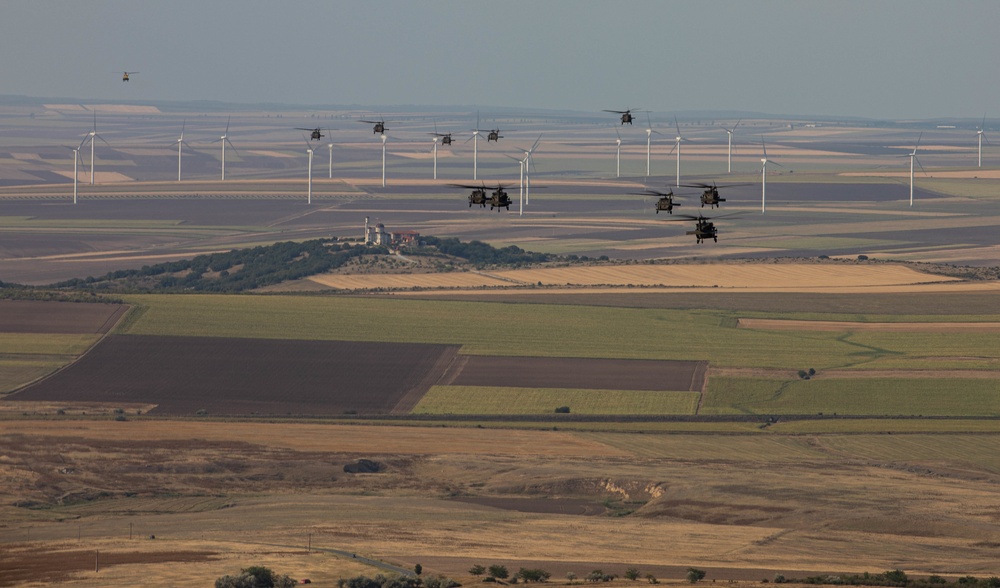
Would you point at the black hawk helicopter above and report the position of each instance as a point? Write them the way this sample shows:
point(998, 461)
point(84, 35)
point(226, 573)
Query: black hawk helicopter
point(478, 195)
point(665, 200)
point(626, 115)
point(445, 137)
point(710, 196)
point(704, 228)
point(494, 135)
point(125, 75)
point(314, 134)
point(379, 125)
point(500, 199)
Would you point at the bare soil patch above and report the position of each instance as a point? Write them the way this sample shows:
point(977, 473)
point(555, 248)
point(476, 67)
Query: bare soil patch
point(30, 316)
point(182, 375)
point(579, 373)
point(21, 566)
point(566, 506)
point(795, 325)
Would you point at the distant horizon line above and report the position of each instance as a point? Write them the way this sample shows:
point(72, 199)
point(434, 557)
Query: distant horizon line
point(492, 110)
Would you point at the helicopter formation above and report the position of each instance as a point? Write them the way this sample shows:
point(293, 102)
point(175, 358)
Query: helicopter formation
point(499, 199)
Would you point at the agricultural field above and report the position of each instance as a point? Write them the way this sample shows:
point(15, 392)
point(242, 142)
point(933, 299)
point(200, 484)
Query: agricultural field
point(457, 400)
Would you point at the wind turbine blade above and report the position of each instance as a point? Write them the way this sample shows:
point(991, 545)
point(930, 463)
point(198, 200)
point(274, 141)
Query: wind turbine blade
point(533, 147)
point(982, 126)
point(737, 124)
point(677, 126)
point(102, 140)
point(763, 145)
point(229, 120)
point(920, 136)
point(233, 146)
point(919, 164)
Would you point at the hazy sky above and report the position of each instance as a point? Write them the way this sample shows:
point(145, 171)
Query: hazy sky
point(872, 58)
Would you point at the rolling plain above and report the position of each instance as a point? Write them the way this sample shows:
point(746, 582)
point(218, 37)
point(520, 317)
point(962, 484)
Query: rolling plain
point(222, 424)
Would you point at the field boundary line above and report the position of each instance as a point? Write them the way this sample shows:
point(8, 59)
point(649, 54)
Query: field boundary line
point(412, 397)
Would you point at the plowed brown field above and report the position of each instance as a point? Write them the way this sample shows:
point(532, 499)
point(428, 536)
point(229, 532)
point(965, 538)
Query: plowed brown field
point(29, 316)
point(241, 376)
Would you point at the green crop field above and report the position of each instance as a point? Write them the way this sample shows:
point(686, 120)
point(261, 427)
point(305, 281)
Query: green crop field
point(523, 401)
point(888, 425)
point(977, 451)
point(27, 344)
point(16, 372)
point(525, 329)
point(860, 396)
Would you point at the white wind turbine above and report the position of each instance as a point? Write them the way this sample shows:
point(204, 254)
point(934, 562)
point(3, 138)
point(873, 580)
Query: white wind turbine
point(913, 157)
point(677, 146)
point(309, 150)
point(649, 141)
point(529, 160)
point(181, 142)
point(384, 137)
point(435, 158)
point(76, 159)
point(330, 147)
point(618, 155)
point(731, 132)
point(225, 139)
point(475, 149)
point(982, 135)
point(763, 175)
point(91, 136)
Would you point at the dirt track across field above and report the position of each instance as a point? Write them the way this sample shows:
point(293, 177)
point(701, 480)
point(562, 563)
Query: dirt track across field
point(793, 325)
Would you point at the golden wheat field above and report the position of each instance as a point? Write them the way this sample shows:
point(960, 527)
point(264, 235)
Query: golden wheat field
point(776, 277)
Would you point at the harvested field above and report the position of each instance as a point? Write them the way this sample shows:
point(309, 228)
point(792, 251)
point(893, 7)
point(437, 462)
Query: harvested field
point(794, 325)
point(182, 375)
point(773, 277)
point(579, 373)
point(22, 566)
point(28, 316)
point(394, 281)
point(456, 400)
point(566, 506)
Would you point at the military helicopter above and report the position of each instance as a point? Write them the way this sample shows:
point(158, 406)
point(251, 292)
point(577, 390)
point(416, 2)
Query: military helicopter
point(379, 125)
point(704, 228)
point(500, 199)
point(445, 137)
point(710, 196)
point(494, 135)
point(314, 134)
point(665, 201)
point(126, 74)
point(626, 115)
point(478, 195)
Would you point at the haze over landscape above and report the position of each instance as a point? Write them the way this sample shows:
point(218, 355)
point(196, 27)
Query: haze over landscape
point(437, 294)
point(893, 59)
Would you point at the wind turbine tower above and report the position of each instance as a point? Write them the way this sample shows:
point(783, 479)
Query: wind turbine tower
point(913, 157)
point(180, 143)
point(763, 176)
point(225, 139)
point(982, 135)
point(310, 151)
point(93, 136)
point(435, 158)
point(731, 132)
point(618, 155)
point(383, 159)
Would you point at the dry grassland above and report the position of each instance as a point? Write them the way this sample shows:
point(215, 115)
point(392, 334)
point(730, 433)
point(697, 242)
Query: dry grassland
point(793, 277)
point(738, 505)
point(341, 438)
point(394, 281)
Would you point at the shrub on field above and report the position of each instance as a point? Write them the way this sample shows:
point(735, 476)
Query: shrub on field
point(440, 582)
point(477, 570)
point(201, 412)
point(498, 572)
point(694, 575)
point(533, 575)
point(632, 574)
point(562, 410)
point(255, 577)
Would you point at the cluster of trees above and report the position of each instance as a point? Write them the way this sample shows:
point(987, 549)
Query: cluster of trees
point(235, 271)
point(498, 573)
point(480, 253)
point(893, 578)
point(256, 577)
point(383, 581)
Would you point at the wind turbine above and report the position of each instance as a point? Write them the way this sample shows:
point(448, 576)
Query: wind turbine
point(180, 142)
point(384, 137)
point(475, 148)
point(310, 151)
point(520, 162)
point(225, 139)
point(91, 136)
point(982, 135)
point(913, 157)
point(677, 146)
point(763, 175)
point(529, 159)
point(649, 140)
point(435, 158)
point(618, 155)
point(731, 132)
point(76, 159)
point(330, 147)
